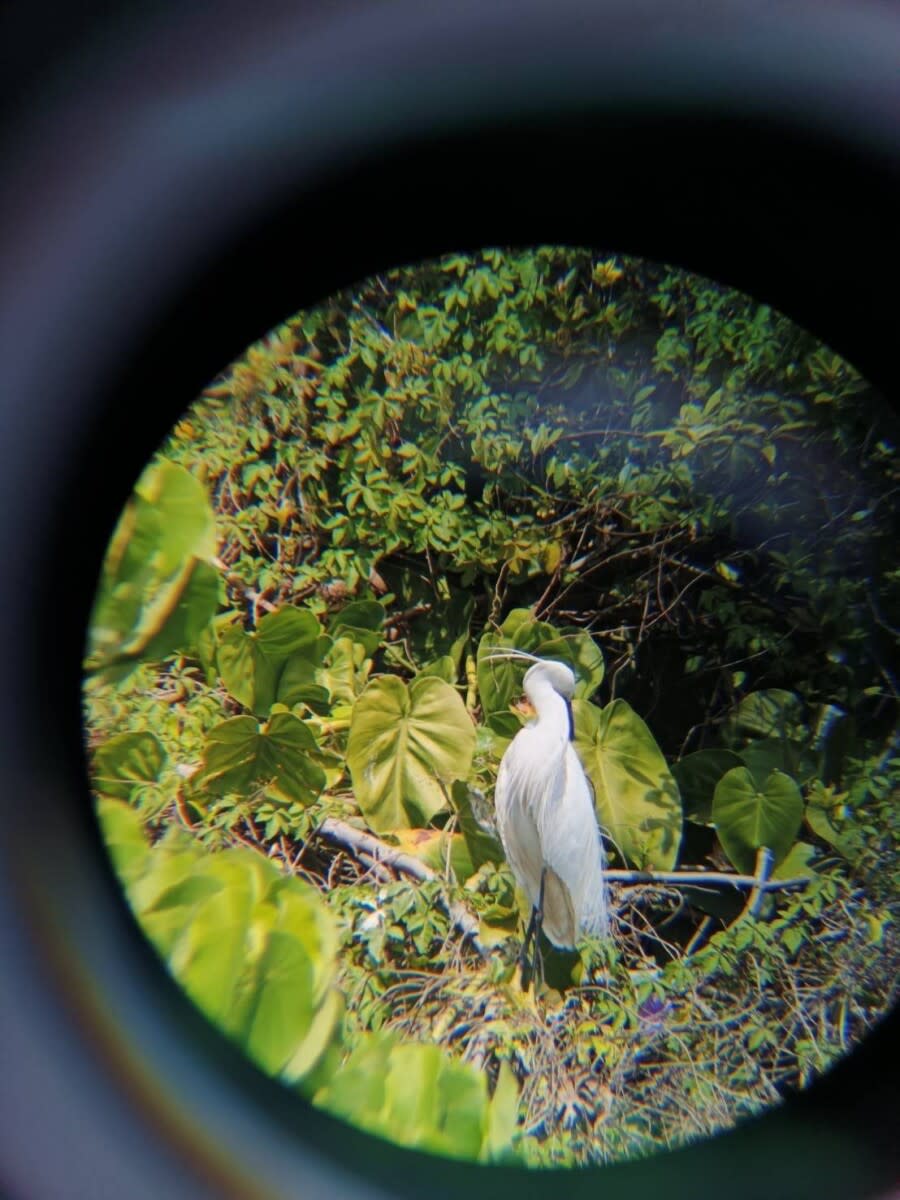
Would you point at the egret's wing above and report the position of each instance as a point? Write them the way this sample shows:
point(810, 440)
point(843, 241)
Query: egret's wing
point(515, 824)
point(573, 848)
point(560, 922)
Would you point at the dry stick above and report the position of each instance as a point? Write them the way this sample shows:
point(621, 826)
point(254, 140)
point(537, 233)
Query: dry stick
point(366, 844)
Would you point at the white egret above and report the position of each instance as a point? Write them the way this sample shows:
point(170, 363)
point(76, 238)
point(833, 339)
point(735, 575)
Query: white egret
point(545, 814)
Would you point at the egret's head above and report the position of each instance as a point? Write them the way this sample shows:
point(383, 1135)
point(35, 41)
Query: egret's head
point(560, 677)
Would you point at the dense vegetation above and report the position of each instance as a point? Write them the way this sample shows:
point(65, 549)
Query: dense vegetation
point(295, 732)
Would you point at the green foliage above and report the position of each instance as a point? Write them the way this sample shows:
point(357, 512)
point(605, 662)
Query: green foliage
point(482, 844)
point(500, 681)
point(597, 460)
point(254, 950)
point(697, 775)
point(242, 755)
point(276, 662)
point(417, 1097)
point(774, 713)
point(362, 622)
point(407, 744)
point(635, 792)
point(127, 761)
point(158, 590)
point(750, 814)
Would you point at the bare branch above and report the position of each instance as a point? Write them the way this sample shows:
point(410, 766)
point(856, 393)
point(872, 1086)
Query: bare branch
point(704, 879)
point(366, 846)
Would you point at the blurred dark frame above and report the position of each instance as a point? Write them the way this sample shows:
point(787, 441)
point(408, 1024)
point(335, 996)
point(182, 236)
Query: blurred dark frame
point(180, 178)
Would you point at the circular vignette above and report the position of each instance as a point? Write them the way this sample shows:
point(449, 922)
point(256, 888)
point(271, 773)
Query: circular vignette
point(151, 230)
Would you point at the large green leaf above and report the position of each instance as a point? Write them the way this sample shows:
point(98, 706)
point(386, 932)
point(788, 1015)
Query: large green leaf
point(158, 588)
point(418, 1096)
point(190, 617)
point(749, 815)
point(281, 655)
point(405, 742)
point(253, 949)
point(764, 755)
point(123, 834)
point(242, 755)
point(438, 849)
point(636, 795)
point(127, 760)
point(697, 775)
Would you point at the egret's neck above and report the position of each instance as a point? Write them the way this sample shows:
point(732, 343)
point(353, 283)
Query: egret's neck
point(554, 711)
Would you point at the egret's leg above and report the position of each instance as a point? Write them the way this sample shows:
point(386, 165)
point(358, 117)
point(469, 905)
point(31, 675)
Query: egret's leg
point(538, 925)
point(523, 953)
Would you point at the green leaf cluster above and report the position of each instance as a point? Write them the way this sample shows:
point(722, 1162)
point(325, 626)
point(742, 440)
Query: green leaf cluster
point(158, 589)
point(253, 949)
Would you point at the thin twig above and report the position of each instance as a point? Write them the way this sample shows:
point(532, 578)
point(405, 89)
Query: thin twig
point(700, 936)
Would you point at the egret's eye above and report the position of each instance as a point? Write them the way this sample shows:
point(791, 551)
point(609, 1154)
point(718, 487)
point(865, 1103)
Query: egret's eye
point(305, 662)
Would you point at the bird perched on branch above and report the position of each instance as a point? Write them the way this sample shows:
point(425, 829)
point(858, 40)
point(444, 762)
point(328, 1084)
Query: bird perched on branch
point(545, 815)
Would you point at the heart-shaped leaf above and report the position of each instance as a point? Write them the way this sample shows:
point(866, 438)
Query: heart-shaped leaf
point(252, 665)
point(749, 815)
point(636, 795)
point(405, 742)
point(242, 755)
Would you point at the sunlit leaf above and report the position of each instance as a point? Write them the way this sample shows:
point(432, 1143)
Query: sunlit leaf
point(241, 755)
point(253, 949)
point(636, 795)
point(158, 588)
point(345, 670)
point(253, 665)
point(123, 834)
point(406, 744)
point(417, 1096)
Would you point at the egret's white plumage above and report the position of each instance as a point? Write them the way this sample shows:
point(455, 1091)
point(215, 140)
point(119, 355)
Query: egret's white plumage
point(545, 812)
